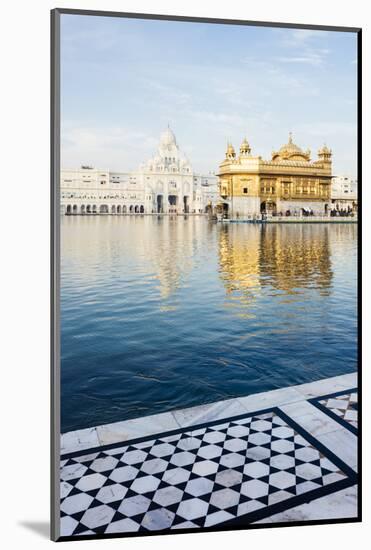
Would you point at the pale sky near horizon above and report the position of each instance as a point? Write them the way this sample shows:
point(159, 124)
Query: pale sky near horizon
point(124, 80)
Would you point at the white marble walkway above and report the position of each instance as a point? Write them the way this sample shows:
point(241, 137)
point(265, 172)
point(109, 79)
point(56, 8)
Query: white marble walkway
point(292, 400)
point(86, 505)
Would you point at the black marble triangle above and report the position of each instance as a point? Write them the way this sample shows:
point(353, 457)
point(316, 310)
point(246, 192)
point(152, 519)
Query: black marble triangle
point(245, 498)
point(101, 529)
point(80, 528)
point(232, 510)
point(109, 481)
point(213, 509)
point(318, 480)
point(290, 453)
point(131, 493)
point(265, 499)
point(141, 473)
point(324, 472)
point(173, 507)
point(199, 521)
point(291, 490)
point(78, 515)
point(95, 503)
point(93, 492)
point(181, 486)
point(265, 479)
point(74, 491)
point(299, 479)
point(153, 506)
point(163, 484)
point(177, 520)
point(115, 505)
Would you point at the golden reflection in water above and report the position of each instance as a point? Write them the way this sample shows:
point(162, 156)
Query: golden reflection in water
point(296, 257)
point(239, 261)
point(287, 258)
point(283, 259)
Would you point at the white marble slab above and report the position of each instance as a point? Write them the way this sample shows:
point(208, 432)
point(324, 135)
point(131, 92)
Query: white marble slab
point(343, 443)
point(311, 419)
point(273, 398)
point(328, 385)
point(79, 440)
point(206, 413)
point(342, 504)
point(135, 428)
point(291, 399)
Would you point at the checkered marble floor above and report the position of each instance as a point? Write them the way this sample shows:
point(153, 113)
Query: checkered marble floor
point(342, 406)
point(223, 473)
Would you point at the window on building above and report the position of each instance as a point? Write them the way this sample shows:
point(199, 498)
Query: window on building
point(245, 190)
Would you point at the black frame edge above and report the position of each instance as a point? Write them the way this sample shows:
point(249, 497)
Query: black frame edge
point(196, 19)
point(54, 273)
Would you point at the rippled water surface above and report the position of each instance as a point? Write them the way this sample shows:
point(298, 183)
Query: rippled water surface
point(158, 314)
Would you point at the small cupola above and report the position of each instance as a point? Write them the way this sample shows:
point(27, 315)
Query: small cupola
point(230, 152)
point(245, 148)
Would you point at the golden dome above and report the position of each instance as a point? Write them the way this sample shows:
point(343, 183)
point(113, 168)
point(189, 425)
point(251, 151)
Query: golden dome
point(324, 151)
point(245, 148)
point(291, 151)
point(230, 153)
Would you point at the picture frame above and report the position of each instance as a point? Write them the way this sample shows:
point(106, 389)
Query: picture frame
point(317, 401)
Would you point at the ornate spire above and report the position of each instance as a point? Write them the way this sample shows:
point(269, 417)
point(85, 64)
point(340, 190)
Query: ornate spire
point(245, 148)
point(325, 153)
point(230, 152)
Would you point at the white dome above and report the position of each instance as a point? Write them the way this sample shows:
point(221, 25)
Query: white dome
point(167, 138)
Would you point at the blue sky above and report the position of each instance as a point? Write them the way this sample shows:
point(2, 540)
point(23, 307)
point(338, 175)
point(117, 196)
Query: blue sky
point(124, 80)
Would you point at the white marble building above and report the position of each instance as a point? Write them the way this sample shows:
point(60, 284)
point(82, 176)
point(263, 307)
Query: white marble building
point(344, 193)
point(165, 184)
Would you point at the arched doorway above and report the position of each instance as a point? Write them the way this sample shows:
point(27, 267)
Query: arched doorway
point(74, 209)
point(124, 209)
point(186, 204)
point(222, 208)
point(268, 207)
point(172, 199)
point(82, 209)
point(94, 208)
point(103, 209)
point(88, 209)
point(136, 209)
point(160, 204)
point(68, 209)
point(119, 209)
point(113, 209)
point(141, 210)
point(131, 209)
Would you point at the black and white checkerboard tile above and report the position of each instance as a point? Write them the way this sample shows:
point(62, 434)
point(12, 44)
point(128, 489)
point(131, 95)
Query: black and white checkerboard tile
point(342, 406)
point(219, 474)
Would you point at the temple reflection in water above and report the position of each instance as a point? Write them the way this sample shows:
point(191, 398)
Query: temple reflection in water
point(160, 314)
point(285, 258)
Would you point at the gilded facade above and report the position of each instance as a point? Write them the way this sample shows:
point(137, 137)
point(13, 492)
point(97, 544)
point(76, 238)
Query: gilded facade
point(290, 183)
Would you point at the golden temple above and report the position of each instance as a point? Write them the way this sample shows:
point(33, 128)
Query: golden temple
point(290, 183)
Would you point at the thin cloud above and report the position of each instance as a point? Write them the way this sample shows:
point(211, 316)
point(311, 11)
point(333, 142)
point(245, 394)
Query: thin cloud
point(313, 57)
